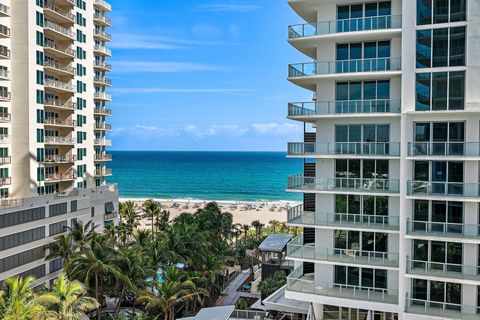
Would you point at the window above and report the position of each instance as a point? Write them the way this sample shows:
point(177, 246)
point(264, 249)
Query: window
point(20, 259)
point(362, 139)
point(440, 91)
point(441, 47)
point(368, 16)
point(18, 239)
point(437, 216)
point(439, 138)
point(366, 96)
point(365, 277)
point(440, 11)
point(57, 228)
point(39, 19)
point(57, 209)
point(374, 56)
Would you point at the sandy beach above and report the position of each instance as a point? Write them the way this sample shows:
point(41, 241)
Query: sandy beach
point(243, 212)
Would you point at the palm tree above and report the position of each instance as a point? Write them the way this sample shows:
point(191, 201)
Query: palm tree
point(175, 290)
point(64, 247)
point(93, 265)
point(258, 228)
point(82, 233)
point(131, 265)
point(17, 301)
point(246, 227)
point(67, 300)
point(152, 210)
point(236, 231)
point(129, 215)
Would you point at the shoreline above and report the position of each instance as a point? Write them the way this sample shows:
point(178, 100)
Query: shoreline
point(243, 212)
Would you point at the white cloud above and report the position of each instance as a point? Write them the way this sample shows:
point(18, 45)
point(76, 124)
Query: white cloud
point(275, 129)
point(179, 90)
point(146, 132)
point(229, 7)
point(164, 67)
point(216, 130)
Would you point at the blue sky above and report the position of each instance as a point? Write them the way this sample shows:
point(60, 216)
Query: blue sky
point(202, 75)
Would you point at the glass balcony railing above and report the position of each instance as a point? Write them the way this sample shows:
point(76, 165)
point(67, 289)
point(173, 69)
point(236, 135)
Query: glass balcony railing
point(453, 189)
point(445, 310)
point(443, 229)
point(310, 69)
point(344, 148)
point(298, 282)
point(343, 107)
point(443, 270)
point(296, 249)
point(296, 215)
point(345, 25)
point(311, 184)
point(444, 149)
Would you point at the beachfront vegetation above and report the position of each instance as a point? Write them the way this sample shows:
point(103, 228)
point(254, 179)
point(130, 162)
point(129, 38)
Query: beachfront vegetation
point(172, 269)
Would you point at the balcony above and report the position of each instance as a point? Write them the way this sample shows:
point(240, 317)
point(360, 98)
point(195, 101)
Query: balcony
point(463, 150)
point(103, 157)
point(5, 117)
point(4, 52)
point(5, 96)
point(296, 249)
point(52, 48)
point(55, 122)
point(344, 26)
point(298, 217)
point(4, 32)
point(110, 216)
point(4, 138)
point(59, 159)
point(59, 140)
point(102, 96)
point(441, 309)
point(102, 142)
point(464, 191)
point(58, 177)
point(4, 10)
point(311, 111)
point(103, 5)
point(5, 181)
point(305, 37)
point(301, 183)
point(60, 86)
point(444, 271)
point(53, 11)
point(5, 160)
point(102, 35)
point(344, 150)
point(57, 31)
point(4, 74)
point(57, 68)
point(103, 173)
point(70, 3)
point(307, 74)
point(102, 111)
point(428, 229)
point(103, 126)
point(298, 282)
point(102, 50)
point(101, 65)
point(64, 105)
point(101, 19)
point(103, 81)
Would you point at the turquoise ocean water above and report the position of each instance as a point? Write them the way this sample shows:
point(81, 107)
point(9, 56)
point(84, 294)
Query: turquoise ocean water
point(243, 176)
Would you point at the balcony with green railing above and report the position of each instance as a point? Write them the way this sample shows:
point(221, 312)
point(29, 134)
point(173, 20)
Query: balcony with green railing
point(443, 189)
point(444, 310)
point(443, 270)
point(444, 149)
point(297, 216)
point(300, 183)
point(298, 282)
point(384, 107)
point(368, 149)
point(321, 28)
point(296, 249)
point(443, 230)
point(312, 69)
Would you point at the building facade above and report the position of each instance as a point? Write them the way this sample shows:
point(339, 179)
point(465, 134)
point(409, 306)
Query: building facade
point(391, 151)
point(53, 111)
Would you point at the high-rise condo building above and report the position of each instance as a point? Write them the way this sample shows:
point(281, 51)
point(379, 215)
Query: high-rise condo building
point(391, 151)
point(53, 111)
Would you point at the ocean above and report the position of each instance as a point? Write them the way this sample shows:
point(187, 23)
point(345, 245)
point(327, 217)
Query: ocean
point(241, 176)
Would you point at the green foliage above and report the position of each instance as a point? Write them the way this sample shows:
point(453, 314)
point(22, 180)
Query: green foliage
point(242, 304)
point(272, 284)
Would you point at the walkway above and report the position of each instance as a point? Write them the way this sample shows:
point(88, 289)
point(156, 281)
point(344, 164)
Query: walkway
point(231, 295)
